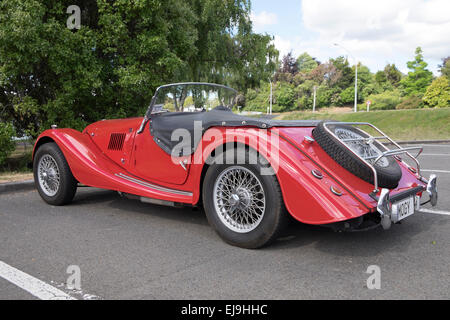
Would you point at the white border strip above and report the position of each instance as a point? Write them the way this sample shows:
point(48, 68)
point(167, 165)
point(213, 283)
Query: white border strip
point(36, 287)
point(435, 211)
point(439, 171)
point(437, 145)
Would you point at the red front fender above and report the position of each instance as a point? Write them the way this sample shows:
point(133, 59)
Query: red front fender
point(92, 168)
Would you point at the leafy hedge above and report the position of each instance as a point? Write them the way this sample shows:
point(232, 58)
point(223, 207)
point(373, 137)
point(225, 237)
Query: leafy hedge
point(387, 100)
point(6, 143)
point(438, 94)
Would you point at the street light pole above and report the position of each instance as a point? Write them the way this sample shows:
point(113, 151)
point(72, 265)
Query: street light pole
point(356, 76)
point(271, 95)
point(314, 103)
point(356, 87)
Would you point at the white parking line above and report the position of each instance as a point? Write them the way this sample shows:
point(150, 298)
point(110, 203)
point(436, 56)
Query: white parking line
point(435, 154)
point(435, 211)
point(437, 145)
point(36, 287)
point(437, 171)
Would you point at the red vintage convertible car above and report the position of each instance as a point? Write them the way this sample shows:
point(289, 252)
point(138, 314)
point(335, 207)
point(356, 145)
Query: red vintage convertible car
point(249, 174)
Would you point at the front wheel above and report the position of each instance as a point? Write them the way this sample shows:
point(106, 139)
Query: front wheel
point(52, 176)
point(244, 206)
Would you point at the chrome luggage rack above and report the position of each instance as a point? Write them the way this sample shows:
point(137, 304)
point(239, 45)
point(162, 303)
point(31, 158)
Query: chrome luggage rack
point(387, 153)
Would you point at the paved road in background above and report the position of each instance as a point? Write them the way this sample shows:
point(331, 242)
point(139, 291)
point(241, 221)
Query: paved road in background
point(129, 250)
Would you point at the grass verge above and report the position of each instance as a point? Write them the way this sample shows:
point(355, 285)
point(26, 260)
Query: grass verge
point(18, 166)
point(411, 125)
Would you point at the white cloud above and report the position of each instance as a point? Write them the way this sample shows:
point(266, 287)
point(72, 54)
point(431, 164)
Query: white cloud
point(262, 19)
point(379, 31)
point(283, 45)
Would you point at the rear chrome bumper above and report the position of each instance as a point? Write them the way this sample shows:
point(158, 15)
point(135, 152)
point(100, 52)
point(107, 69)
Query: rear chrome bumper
point(384, 205)
point(432, 190)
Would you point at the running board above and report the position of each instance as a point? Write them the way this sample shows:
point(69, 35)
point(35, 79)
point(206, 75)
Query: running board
point(153, 186)
point(152, 200)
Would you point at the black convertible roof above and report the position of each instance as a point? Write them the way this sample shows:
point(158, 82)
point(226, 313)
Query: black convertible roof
point(163, 125)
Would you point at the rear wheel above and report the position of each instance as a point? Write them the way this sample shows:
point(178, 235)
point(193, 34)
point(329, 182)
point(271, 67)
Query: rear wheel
point(244, 206)
point(52, 176)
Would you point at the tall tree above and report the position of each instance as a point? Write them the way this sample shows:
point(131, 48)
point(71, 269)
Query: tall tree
point(122, 52)
point(445, 67)
point(419, 77)
point(347, 73)
point(306, 63)
point(226, 45)
point(289, 64)
point(393, 75)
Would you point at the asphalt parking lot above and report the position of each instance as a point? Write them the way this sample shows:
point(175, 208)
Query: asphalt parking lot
point(129, 250)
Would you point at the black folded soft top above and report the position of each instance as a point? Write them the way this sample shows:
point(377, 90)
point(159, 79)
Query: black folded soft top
point(163, 125)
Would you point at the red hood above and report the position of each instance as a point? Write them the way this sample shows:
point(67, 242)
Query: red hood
point(114, 125)
point(102, 134)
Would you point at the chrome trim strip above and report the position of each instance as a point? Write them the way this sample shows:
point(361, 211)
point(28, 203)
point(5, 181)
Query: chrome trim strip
point(153, 186)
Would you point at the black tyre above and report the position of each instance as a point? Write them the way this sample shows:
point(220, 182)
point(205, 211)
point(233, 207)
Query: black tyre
point(52, 176)
point(243, 202)
point(388, 170)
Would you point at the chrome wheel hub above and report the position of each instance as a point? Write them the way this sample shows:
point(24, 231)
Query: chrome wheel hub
point(239, 199)
point(48, 175)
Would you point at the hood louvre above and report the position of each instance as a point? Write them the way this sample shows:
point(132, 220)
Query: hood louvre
point(116, 141)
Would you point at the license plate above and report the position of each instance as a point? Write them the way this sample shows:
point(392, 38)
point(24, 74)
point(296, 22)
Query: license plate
point(404, 208)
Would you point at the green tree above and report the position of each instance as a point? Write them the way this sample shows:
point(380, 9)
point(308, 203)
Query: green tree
point(108, 68)
point(347, 73)
point(438, 94)
point(227, 45)
point(306, 63)
point(347, 96)
point(393, 75)
point(445, 67)
point(284, 97)
point(124, 49)
point(380, 78)
point(419, 78)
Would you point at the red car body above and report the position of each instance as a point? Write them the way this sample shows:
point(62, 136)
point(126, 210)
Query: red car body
point(111, 155)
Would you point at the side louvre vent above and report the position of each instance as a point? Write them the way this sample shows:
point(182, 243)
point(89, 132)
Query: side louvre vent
point(116, 141)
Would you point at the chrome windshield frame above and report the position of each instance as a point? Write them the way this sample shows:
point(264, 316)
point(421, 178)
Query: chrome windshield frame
point(148, 114)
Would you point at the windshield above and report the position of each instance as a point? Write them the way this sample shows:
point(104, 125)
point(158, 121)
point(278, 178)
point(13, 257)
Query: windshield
point(192, 97)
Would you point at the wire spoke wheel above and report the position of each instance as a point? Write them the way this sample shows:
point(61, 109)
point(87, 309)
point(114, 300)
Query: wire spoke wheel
point(48, 175)
point(367, 150)
point(239, 199)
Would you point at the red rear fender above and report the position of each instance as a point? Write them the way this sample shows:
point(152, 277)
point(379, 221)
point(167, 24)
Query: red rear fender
point(307, 199)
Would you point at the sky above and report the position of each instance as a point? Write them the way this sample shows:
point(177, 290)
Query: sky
point(374, 33)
